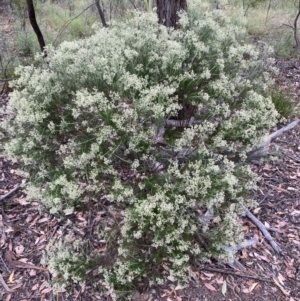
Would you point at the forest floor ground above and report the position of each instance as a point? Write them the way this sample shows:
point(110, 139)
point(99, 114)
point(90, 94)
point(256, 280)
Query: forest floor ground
point(25, 230)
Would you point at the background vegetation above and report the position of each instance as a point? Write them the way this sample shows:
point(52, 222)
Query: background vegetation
point(268, 21)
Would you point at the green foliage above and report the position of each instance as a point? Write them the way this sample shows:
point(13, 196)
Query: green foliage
point(282, 102)
point(85, 123)
point(67, 262)
point(21, 4)
point(269, 21)
point(27, 44)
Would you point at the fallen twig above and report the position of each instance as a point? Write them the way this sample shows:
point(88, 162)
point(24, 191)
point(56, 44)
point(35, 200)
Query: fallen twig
point(263, 149)
point(263, 229)
point(224, 271)
point(9, 193)
point(280, 286)
point(284, 129)
point(4, 264)
point(235, 264)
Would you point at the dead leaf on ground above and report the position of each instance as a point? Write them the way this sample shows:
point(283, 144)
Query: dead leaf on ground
point(11, 277)
point(8, 297)
point(224, 288)
point(19, 249)
point(209, 286)
point(35, 287)
point(252, 287)
point(281, 279)
point(46, 290)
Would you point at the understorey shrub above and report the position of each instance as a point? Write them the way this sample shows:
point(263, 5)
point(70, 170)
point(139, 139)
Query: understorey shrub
point(157, 123)
point(67, 262)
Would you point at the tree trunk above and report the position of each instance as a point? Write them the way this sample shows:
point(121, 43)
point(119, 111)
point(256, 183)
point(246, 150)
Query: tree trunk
point(101, 13)
point(32, 18)
point(167, 11)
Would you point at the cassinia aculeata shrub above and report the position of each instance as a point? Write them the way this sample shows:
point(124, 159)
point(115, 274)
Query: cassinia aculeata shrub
point(85, 124)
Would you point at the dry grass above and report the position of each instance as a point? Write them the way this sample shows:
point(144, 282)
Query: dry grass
point(268, 23)
point(272, 24)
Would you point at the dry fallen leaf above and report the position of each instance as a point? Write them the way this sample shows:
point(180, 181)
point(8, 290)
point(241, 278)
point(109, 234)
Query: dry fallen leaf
point(281, 279)
point(252, 287)
point(178, 287)
point(296, 242)
point(224, 288)
point(8, 297)
point(209, 286)
point(42, 220)
point(19, 249)
point(11, 277)
point(35, 287)
point(171, 278)
point(264, 258)
point(281, 224)
point(209, 275)
point(23, 201)
point(256, 210)
point(46, 290)
point(32, 272)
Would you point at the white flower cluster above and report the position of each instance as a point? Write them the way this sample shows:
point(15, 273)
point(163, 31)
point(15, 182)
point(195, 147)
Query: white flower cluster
point(65, 264)
point(81, 123)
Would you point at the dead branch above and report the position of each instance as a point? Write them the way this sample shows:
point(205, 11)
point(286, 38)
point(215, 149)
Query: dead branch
point(181, 123)
point(224, 271)
point(235, 264)
point(6, 80)
point(263, 229)
point(9, 193)
point(257, 152)
point(263, 149)
point(284, 129)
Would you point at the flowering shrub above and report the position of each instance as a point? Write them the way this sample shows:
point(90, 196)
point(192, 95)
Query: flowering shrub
point(66, 262)
point(156, 121)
